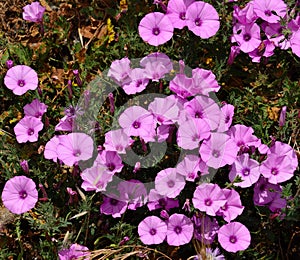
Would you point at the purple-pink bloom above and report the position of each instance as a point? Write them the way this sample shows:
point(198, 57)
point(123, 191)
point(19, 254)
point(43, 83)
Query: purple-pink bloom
point(119, 71)
point(265, 49)
point(117, 140)
point(233, 206)
point(50, 151)
point(206, 228)
point(152, 230)
point(191, 132)
point(270, 10)
point(156, 28)
point(247, 169)
point(176, 11)
point(202, 19)
point(111, 160)
point(209, 198)
point(181, 85)
point(24, 165)
point(165, 110)
point(139, 81)
point(234, 52)
point(169, 182)
point(133, 192)
point(265, 192)
point(277, 168)
point(247, 36)
point(189, 167)
point(19, 194)
point(278, 203)
point(157, 201)
point(33, 12)
point(35, 108)
point(137, 121)
point(112, 206)
point(75, 251)
point(156, 58)
point(74, 147)
point(234, 237)
point(295, 43)
point(226, 118)
point(180, 230)
point(245, 15)
point(65, 124)
point(20, 79)
point(203, 107)
point(203, 82)
point(218, 150)
point(27, 129)
point(274, 33)
point(96, 178)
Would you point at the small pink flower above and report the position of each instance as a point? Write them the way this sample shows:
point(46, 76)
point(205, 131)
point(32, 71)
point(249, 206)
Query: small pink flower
point(28, 129)
point(20, 79)
point(33, 12)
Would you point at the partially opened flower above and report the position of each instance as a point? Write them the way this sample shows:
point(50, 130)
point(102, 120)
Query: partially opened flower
point(75, 147)
point(270, 10)
point(156, 28)
point(234, 237)
point(245, 15)
point(152, 230)
point(75, 251)
point(35, 108)
point(27, 129)
point(119, 71)
point(226, 118)
point(138, 83)
point(50, 151)
point(19, 194)
point(20, 79)
point(189, 167)
point(180, 230)
point(203, 82)
point(202, 19)
point(33, 12)
point(111, 160)
point(209, 198)
point(265, 192)
point(157, 57)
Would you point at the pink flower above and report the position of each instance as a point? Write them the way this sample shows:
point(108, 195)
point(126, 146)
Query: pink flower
point(113, 207)
point(176, 12)
point(209, 198)
point(111, 160)
point(247, 36)
point(96, 178)
point(189, 167)
point(270, 10)
point(50, 151)
point(75, 251)
point(19, 194)
point(35, 108)
point(152, 230)
point(169, 183)
point(117, 140)
point(75, 147)
point(202, 19)
point(33, 12)
point(27, 129)
point(20, 79)
point(218, 150)
point(247, 169)
point(180, 230)
point(156, 28)
point(157, 201)
point(233, 206)
point(139, 81)
point(203, 82)
point(137, 121)
point(119, 71)
point(234, 237)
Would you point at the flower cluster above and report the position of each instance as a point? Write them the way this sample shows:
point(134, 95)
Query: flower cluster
point(201, 18)
point(280, 29)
